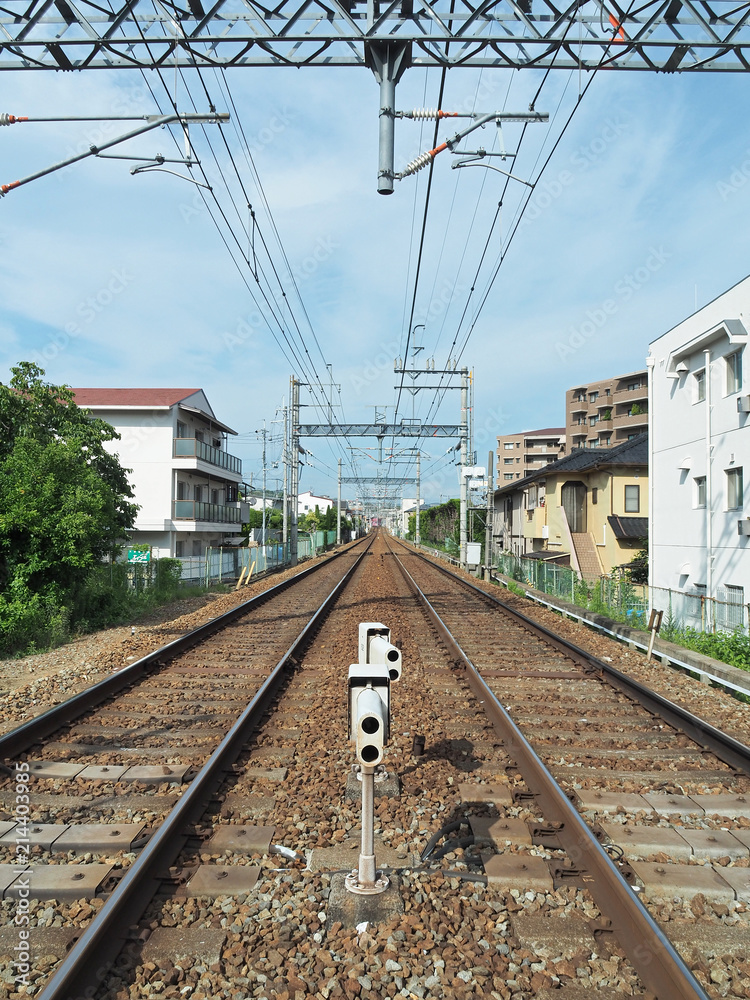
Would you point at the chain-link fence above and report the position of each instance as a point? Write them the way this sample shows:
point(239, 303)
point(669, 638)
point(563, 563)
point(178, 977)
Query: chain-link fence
point(627, 602)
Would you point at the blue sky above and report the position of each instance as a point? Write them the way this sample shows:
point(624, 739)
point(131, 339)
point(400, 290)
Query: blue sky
point(110, 279)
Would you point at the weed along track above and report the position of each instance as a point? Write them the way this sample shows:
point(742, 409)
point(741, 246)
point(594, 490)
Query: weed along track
point(542, 833)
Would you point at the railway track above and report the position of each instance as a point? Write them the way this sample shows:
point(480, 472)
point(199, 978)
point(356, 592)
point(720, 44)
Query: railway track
point(495, 896)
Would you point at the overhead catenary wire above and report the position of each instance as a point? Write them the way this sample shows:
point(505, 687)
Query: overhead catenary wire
point(307, 370)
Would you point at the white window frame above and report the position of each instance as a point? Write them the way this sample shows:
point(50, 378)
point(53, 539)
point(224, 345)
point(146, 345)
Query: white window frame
point(730, 611)
point(699, 394)
point(733, 372)
point(700, 491)
point(735, 488)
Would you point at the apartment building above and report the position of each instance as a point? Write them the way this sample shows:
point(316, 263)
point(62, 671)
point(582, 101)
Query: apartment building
point(185, 481)
point(700, 445)
point(519, 454)
point(606, 413)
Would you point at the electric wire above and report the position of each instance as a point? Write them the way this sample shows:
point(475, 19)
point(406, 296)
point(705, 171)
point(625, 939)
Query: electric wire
point(314, 378)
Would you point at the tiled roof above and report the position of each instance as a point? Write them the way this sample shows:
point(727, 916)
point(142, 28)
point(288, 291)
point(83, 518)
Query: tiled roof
point(131, 397)
point(628, 527)
point(629, 453)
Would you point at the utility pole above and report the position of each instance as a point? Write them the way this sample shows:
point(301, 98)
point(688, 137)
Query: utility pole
point(338, 510)
point(418, 536)
point(264, 433)
point(294, 470)
point(464, 462)
point(285, 502)
point(488, 518)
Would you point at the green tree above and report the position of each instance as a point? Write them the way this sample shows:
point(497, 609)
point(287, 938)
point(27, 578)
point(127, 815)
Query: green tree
point(64, 499)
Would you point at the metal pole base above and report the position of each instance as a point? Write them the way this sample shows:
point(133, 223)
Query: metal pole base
point(378, 885)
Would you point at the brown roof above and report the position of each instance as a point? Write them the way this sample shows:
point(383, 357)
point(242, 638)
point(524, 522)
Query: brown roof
point(131, 397)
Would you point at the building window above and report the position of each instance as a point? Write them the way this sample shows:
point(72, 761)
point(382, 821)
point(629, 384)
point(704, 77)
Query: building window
point(507, 461)
point(733, 364)
point(508, 475)
point(696, 599)
point(593, 420)
point(730, 612)
point(633, 385)
point(700, 386)
point(182, 430)
point(214, 496)
point(606, 438)
point(197, 495)
point(180, 491)
point(700, 491)
point(735, 497)
point(179, 549)
point(593, 396)
point(595, 494)
point(508, 446)
point(632, 499)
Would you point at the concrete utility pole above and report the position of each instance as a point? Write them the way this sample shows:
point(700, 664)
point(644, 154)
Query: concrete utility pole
point(294, 470)
point(464, 462)
point(264, 434)
point(285, 502)
point(338, 510)
point(418, 537)
point(488, 517)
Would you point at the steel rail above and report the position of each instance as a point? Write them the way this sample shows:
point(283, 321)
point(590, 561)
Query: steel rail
point(725, 747)
point(656, 961)
point(23, 737)
point(89, 961)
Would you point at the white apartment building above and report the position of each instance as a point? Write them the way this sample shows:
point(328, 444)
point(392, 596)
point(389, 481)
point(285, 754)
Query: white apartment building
point(699, 528)
point(185, 481)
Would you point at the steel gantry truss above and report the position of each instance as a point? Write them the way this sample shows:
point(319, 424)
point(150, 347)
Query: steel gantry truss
point(662, 35)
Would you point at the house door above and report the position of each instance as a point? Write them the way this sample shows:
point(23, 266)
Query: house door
point(574, 504)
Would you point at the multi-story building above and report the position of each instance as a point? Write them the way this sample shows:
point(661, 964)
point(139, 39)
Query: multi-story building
point(588, 510)
point(185, 481)
point(307, 502)
point(604, 414)
point(700, 445)
point(519, 454)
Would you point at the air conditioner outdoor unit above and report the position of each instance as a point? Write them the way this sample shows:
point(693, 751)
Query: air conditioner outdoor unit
point(743, 526)
point(743, 404)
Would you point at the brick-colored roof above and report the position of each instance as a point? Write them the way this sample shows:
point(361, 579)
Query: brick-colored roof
point(131, 397)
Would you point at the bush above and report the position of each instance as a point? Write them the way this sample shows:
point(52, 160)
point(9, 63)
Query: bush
point(30, 623)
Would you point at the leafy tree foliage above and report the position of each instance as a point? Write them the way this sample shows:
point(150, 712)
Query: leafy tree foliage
point(64, 500)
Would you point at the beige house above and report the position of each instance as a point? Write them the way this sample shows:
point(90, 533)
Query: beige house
point(589, 510)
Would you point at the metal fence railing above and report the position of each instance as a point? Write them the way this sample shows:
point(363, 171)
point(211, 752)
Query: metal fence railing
point(218, 565)
point(628, 602)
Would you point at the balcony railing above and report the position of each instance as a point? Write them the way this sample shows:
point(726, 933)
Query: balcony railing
point(623, 395)
point(197, 510)
point(192, 448)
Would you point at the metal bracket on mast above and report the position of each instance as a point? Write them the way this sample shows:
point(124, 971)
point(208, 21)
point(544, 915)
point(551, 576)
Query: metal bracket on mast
point(387, 60)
